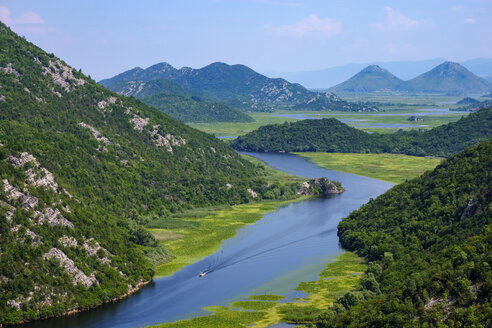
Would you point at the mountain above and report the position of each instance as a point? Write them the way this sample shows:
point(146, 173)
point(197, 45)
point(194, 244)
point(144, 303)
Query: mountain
point(448, 77)
point(235, 85)
point(467, 101)
point(329, 77)
point(371, 79)
point(428, 243)
point(174, 100)
point(474, 107)
point(405, 70)
point(331, 135)
point(82, 170)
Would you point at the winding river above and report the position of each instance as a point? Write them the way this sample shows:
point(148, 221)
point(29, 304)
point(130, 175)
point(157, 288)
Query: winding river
point(285, 247)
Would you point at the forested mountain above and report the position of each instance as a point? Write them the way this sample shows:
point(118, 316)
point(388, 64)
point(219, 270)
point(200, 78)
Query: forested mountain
point(235, 85)
point(428, 242)
point(371, 79)
point(446, 78)
point(80, 167)
point(331, 135)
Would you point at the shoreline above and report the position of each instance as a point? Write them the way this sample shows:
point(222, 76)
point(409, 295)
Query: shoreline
point(74, 311)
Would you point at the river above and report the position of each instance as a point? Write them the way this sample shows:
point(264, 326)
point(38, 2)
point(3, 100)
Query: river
point(285, 247)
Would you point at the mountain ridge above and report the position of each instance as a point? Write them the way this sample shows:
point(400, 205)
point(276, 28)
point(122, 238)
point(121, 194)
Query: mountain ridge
point(235, 85)
point(448, 78)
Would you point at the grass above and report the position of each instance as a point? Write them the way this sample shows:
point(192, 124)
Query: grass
point(253, 305)
point(386, 167)
point(271, 174)
point(238, 129)
point(222, 318)
point(267, 297)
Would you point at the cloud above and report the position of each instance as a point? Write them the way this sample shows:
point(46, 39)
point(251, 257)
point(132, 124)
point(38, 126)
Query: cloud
point(470, 20)
point(395, 20)
point(307, 26)
point(26, 22)
point(29, 17)
point(25, 18)
point(5, 15)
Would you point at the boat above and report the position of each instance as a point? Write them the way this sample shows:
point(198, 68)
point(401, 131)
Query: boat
point(202, 274)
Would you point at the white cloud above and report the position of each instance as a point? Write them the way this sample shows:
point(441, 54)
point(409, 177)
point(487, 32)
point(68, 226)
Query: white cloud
point(5, 15)
point(470, 20)
point(29, 17)
point(309, 25)
point(395, 20)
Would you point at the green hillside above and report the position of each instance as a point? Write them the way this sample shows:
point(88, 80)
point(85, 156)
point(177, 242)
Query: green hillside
point(371, 79)
point(331, 135)
point(428, 242)
point(83, 169)
point(178, 102)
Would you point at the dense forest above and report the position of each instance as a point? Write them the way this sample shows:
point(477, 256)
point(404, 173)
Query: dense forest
point(81, 167)
point(428, 242)
point(331, 135)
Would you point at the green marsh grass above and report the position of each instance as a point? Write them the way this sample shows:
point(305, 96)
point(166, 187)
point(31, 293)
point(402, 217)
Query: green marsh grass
point(386, 167)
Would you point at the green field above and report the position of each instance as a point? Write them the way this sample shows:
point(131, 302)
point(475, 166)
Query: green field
point(386, 167)
point(238, 129)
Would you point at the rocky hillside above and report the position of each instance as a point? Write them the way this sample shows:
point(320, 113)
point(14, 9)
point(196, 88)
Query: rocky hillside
point(237, 86)
point(371, 79)
point(82, 169)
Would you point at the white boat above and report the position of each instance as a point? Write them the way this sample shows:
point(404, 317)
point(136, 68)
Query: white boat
point(202, 274)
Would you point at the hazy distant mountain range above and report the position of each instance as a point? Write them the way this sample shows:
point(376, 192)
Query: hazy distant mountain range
point(326, 78)
point(447, 78)
point(236, 86)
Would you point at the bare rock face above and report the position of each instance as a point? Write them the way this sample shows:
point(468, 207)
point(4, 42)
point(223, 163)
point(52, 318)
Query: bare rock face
point(68, 241)
point(103, 104)
point(139, 122)
point(36, 176)
point(70, 268)
point(53, 217)
point(91, 246)
point(327, 186)
point(28, 202)
point(9, 70)
point(252, 193)
point(62, 75)
point(96, 134)
point(168, 141)
point(305, 189)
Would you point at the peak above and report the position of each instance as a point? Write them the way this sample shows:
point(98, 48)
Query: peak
point(451, 65)
point(163, 67)
point(373, 69)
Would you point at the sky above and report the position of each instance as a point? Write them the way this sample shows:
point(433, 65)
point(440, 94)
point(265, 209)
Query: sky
point(107, 37)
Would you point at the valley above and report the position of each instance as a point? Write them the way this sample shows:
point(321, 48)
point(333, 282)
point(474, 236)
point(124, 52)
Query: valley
point(213, 195)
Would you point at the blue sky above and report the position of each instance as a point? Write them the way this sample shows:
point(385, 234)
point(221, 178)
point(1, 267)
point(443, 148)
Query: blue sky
point(104, 37)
